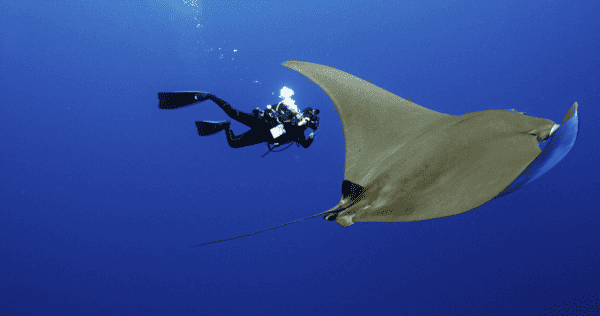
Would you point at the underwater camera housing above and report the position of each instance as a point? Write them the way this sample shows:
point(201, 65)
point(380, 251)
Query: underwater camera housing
point(277, 131)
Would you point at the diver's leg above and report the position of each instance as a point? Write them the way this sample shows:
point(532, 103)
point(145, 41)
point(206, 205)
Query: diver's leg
point(251, 137)
point(242, 117)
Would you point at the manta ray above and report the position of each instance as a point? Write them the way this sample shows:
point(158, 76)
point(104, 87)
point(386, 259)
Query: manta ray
point(405, 162)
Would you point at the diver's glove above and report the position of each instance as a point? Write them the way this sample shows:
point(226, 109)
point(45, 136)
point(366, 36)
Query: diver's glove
point(304, 121)
point(314, 124)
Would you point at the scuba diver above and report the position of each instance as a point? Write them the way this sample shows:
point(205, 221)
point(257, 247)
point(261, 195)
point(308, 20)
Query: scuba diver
point(277, 125)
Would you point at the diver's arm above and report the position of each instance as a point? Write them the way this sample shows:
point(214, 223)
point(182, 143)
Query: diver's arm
point(314, 125)
point(307, 141)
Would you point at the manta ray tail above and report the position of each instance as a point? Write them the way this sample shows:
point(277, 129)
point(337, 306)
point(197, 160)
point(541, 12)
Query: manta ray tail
point(349, 190)
point(260, 231)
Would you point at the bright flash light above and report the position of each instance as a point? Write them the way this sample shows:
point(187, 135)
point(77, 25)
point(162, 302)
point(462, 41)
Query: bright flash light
point(286, 93)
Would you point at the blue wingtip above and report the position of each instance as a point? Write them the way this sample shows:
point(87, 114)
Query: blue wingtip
point(555, 149)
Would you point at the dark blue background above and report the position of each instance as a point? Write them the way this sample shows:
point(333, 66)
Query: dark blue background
point(102, 193)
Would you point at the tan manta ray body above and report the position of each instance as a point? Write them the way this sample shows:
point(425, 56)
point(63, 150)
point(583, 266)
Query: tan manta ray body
point(406, 163)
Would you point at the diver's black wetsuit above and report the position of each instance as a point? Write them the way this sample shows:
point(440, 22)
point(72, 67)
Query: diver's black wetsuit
point(260, 126)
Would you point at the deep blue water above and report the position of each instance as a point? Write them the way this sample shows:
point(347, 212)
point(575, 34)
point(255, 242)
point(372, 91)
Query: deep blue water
point(102, 193)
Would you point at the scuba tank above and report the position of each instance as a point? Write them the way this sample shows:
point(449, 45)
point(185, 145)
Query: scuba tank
point(282, 114)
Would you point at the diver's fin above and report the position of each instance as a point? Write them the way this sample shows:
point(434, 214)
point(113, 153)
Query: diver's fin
point(174, 100)
point(206, 128)
point(260, 231)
